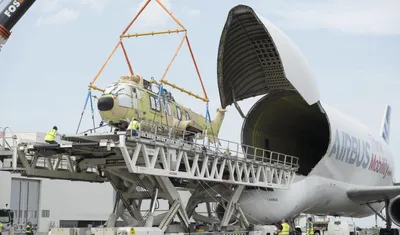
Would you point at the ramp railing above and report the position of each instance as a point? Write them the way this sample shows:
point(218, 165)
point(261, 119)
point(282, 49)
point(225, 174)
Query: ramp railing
point(230, 148)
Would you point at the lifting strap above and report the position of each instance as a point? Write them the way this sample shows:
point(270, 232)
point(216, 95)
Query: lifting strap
point(208, 118)
point(208, 114)
point(161, 93)
point(88, 97)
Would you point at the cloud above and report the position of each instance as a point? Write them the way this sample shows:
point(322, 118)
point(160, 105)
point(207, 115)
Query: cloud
point(190, 12)
point(355, 17)
point(54, 12)
point(97, 5)
point(64, 11)
point(47, 6)
point(63, 16)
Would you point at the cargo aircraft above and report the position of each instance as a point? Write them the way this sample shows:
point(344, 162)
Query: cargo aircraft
point(345, 169)
point(134, 97)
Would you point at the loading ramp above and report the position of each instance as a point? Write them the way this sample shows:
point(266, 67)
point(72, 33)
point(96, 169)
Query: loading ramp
point(136, 166)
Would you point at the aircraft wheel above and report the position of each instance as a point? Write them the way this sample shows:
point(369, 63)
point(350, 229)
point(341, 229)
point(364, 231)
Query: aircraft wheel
point(317, 233)
point(298, 231)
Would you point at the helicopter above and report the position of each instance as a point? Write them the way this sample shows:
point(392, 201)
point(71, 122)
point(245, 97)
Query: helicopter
point(134, 97)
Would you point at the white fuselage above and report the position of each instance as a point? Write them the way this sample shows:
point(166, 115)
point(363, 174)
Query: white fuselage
point(355, 158)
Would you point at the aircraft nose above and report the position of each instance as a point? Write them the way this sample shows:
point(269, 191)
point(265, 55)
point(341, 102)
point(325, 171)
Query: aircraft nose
point(105, 103)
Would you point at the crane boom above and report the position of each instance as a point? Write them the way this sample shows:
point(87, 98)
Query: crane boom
point(10, 15)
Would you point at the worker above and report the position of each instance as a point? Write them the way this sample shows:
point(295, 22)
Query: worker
point(1, 227)
point(285, 227)
point(28, 230)
point(133, 127)
point(310, 227)
point(51, 136)
point(278, 228)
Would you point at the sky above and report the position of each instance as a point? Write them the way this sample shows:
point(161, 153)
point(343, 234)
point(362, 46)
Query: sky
point(58, 46)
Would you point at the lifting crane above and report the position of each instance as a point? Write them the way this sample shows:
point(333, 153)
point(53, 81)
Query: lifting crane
point(10, 16)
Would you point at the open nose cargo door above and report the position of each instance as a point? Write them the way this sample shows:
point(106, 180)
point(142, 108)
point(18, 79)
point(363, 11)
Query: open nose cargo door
point(256, 58)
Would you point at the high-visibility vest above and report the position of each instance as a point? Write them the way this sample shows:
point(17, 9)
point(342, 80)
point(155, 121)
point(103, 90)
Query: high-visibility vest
point(310, 228)
point(285, 229)
point(51, 135)
point(134, 125)
point(28, 229)
point(1, 227)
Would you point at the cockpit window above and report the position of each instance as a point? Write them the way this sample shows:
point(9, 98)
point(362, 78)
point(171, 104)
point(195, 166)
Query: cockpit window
point(110, 88)
point(118, 89)
point(123, 89)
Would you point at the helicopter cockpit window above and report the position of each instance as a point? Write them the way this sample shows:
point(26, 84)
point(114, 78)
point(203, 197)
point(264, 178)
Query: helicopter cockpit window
point(117, 89)
point(122, 89)
point(123, 92)
point(110, 88)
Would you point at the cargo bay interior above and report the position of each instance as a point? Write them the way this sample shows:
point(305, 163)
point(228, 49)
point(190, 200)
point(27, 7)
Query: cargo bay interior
point(288, 125)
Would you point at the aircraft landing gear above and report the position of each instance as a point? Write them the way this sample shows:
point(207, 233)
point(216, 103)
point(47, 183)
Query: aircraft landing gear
point(293, 229)
point(388, 230)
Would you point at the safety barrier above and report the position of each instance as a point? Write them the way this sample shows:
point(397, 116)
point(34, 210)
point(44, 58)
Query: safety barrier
point(201, 141)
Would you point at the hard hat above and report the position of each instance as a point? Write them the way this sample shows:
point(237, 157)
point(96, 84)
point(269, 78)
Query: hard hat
point(309, 218)
point(55, 128)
